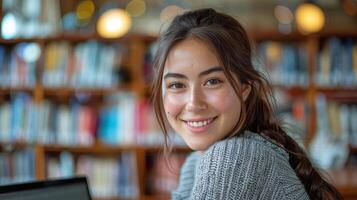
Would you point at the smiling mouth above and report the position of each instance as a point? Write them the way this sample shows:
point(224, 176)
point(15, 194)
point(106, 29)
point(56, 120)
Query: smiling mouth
point(200, 123)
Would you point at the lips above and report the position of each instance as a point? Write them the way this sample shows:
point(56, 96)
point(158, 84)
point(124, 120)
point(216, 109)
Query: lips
point(199, 125)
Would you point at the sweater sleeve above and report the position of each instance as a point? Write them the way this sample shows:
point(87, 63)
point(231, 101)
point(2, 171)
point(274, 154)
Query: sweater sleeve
point(185, 184)
point(237, 168)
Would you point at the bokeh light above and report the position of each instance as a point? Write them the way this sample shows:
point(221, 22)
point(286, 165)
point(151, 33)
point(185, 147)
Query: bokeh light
point(32, 52)
point(114, 23)
point(309, 18)
point(170, 12)
point(9, 26)
point(136, 8)
point(283, 14)
point(85, 10)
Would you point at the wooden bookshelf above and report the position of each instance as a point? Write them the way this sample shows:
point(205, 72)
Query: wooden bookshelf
point(137, 45)
point(133, 60)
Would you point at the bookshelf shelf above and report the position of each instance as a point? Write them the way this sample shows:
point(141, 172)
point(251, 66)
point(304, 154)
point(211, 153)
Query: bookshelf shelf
point(177, 149)
point(337, 33)
point(67, 91)
point(80, 37)
point(293, 90)
point(9, 90)
point(9, 147)
point(97, 148)
point(341, 94)
point(273, 35)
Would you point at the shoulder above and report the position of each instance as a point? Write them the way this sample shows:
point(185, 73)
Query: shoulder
point(246, 167)
point(190, 163)
point(242, 167)
point(244, 156)
point(250, 145)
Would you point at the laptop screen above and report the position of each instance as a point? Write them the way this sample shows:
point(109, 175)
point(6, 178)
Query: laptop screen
point(68, 189)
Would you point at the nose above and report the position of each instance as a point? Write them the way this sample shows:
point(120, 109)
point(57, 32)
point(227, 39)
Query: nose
point(196, 100)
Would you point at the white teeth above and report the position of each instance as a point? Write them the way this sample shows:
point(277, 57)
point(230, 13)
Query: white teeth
point(199, 123)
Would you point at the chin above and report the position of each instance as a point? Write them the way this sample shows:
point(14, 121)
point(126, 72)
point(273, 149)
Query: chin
point(198, 146)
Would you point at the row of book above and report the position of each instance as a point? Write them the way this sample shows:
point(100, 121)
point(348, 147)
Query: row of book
point(123, 119)
point(25, 19)
point(283, 64)
point(18, 65)
point(338, 120)
point(108, 177)
point(337, 63)
point(336, 130)
point(17, 166)
point(286, 64)
point(86, 64)
point(23, 120)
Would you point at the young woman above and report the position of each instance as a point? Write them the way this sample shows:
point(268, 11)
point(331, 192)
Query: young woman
point(207, 90)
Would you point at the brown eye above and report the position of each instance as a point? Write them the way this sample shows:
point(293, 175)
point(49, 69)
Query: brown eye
point(176, 86)
point(213, 82)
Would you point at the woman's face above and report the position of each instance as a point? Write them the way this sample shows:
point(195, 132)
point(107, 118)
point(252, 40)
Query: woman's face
point(199, 102)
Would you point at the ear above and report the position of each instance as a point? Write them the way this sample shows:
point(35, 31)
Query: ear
point(246, 91)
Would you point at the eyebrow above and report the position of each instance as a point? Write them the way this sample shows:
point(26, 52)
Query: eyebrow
point(203, 73)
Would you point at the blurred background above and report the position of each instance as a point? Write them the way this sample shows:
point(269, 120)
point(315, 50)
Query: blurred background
point(75, 77)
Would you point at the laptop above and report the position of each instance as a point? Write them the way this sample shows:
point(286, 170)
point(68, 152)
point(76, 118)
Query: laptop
point(74, 188)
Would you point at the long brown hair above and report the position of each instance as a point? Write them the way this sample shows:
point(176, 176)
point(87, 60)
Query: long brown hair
point(232, 46)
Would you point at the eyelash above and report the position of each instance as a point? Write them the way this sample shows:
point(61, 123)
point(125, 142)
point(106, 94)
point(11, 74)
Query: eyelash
point(174, 86)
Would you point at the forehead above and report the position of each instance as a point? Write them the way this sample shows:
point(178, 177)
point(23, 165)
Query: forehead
point(191, 54)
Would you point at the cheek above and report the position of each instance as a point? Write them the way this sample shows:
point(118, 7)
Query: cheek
point(173, 105)
point(224, 100)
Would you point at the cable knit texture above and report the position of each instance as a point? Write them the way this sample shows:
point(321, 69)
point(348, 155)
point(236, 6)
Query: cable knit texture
point(244, 167)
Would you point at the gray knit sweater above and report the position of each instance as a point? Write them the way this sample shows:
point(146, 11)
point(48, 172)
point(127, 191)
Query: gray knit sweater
point(244, 167)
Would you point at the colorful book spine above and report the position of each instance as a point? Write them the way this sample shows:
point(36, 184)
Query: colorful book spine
point(283, 64)
point(336, 65)
point(17, 166)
